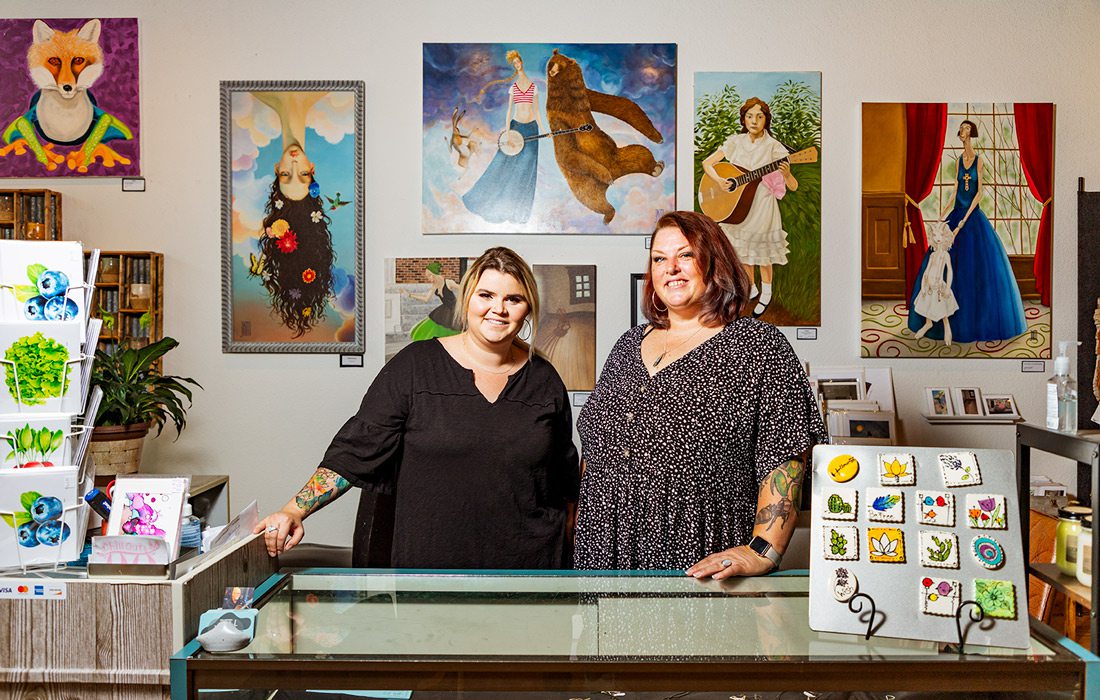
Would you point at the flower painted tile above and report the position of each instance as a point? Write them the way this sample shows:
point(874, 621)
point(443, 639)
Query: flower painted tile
point(841, 542)
point(939, 596)
point(936, 508)
point(939, 550)
point(840, 503)
point(886, 545)
point(960, 469)
point(986, 511)
point(885, 505)
point(997, 598)
point(896, 469)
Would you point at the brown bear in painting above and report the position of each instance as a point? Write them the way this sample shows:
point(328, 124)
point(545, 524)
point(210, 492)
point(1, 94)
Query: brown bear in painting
point(590, 160)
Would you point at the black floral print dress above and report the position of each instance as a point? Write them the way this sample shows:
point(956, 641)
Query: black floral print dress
point(674, 461)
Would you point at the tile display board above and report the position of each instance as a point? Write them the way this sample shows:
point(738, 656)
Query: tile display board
point(919, 530)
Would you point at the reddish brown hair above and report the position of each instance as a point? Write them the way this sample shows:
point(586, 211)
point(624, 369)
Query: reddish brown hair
point(754, 102)
point(727, 283)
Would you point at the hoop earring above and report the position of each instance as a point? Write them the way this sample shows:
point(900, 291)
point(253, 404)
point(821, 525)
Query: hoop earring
point(529, 327)
point(654, 300)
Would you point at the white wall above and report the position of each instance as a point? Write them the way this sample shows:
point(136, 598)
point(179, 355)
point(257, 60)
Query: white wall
point(266, 419)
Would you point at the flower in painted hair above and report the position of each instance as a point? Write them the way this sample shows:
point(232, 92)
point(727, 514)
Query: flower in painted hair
point(314, 189)
point(295, 293)
point(277, 228)
point(309, 275)
point(316, 216)
point(278, 204)
point(288, 243)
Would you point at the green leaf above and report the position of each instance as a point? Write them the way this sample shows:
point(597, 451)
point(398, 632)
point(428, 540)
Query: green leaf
point(34, 271)
point(8, 519)
point(26, 437)
point(28, 499)
point(44, 439)
point(56, 440)
point(23, 292)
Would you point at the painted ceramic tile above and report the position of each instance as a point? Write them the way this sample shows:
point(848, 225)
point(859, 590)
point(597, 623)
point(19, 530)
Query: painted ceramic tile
point(988, 552)
point(968, 186)
point(42, 281)
point(939, 549)
point(43, 527)
point(986, 511)
point(843, 584)
point(45, 372)
point(936, 508)
point(840, 504)
point(843, 468)
point(511, 143)
point(746, 125)
point(997, 598)
point(885, 505)
point(841, 542)
point(69, 122)
point(939, 596)
point(960, 469)
point(896, 469)
point(886, 545)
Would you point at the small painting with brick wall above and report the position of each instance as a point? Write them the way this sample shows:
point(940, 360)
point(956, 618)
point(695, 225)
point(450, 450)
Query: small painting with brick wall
point(422, 300)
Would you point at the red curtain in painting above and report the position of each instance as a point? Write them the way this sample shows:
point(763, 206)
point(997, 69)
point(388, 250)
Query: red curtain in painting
point(1035, 134)
point(925, 126)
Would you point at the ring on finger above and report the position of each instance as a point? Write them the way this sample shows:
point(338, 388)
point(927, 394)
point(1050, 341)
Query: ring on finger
point(272, 528)
point(726, 563)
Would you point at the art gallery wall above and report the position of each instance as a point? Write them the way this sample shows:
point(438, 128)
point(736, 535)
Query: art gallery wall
point(266, 419)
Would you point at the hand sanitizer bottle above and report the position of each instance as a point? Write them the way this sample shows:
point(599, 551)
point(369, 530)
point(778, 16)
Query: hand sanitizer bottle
point(1062, 393)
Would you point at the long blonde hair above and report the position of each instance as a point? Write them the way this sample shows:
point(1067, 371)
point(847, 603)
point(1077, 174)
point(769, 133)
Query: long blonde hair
point(509, 57)
point(507, 262)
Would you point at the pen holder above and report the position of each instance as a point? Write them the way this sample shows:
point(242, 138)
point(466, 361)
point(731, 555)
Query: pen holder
point(224, 629)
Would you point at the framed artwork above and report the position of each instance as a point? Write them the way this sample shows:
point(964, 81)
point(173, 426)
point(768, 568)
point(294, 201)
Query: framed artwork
point(934, 285)
point(866, 427)
point(567, 327)
point(69, 102)
point(637, 289)
point(422, 300)
point(1000, 405)
point(548, 138)
point(968, 401)
point(758, 174)
point(937, 401)
point(292, 216)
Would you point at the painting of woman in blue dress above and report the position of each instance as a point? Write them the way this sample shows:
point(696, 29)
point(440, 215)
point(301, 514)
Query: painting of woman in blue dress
point(506, 190)
point(989, 303)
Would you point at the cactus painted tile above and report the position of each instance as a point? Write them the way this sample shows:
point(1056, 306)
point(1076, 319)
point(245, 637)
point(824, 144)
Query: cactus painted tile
point(939, 550)
point(841, 542)
point(840, 504)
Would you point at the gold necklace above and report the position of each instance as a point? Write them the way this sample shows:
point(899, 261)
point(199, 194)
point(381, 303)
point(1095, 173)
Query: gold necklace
point(667, 349)
point(470, 356)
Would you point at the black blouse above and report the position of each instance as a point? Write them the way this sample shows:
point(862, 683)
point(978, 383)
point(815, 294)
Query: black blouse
point(478, 485)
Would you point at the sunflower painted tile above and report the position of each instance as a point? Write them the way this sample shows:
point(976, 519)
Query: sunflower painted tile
point(939, 550)
point(986, 511)
point(936, 508)
point(841, 542)
point(896, 469)
point(939, 596)
point(886, 545)
point(960, 469)
point(840, 503)
point(997, 598)
point(885, 505)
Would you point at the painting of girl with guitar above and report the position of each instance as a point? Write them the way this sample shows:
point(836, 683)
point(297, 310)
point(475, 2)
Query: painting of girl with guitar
point(754, 225)
point(506, 191)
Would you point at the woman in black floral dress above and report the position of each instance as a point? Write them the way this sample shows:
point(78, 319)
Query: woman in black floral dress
point(696, 435)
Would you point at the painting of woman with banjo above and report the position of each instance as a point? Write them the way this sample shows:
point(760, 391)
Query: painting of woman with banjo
point(506, 190)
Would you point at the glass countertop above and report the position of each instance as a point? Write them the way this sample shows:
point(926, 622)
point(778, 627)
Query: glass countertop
point(566, 616)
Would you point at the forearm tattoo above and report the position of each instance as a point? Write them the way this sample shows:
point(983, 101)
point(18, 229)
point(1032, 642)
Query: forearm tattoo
point(322, 487)
point(785, 481)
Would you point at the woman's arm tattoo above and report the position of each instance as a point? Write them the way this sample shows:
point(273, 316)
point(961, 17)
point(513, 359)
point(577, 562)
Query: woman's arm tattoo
point(785, 482)
point(324, 486)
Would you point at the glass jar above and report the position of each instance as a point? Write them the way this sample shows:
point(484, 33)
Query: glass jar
point(1084, 552)
point(1065, 537)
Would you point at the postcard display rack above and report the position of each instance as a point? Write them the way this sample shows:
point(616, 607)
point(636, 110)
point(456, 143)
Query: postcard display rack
point(46, 348)
point(918, 543)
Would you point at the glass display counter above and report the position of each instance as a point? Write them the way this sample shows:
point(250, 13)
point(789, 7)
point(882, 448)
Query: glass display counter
point(573, 634)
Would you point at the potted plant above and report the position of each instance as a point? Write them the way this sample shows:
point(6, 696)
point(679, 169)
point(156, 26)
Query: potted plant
point(136, 396)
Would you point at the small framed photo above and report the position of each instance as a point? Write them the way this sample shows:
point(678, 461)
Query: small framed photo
point(637, 287)
point(968, 401)
point(873, 425)
point(1000, 405)
point(839, 383)
point(938, 400)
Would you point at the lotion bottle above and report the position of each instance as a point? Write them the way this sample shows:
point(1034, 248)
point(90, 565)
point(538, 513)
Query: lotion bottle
point(1062, 393)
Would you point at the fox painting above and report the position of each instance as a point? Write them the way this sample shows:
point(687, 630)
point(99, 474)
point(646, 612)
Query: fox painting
point(61, 124)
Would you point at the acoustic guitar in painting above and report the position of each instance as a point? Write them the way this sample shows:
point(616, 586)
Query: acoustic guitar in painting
point(732, 207)
point(510, 142)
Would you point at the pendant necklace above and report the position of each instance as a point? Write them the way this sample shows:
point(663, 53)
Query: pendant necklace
point(668, 349)
point(511, 357)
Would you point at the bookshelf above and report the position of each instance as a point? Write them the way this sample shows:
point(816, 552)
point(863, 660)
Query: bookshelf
point(129, 297)
point(30, 215)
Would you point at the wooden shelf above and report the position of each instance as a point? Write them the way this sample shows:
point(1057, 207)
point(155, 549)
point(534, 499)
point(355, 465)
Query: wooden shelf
point(30, 215)
point(1067, 585)
point(973, 420)
point(119, 273)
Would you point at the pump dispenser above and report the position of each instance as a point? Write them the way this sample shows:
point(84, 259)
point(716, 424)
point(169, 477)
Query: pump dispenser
point(1062, 393)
